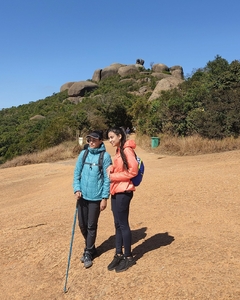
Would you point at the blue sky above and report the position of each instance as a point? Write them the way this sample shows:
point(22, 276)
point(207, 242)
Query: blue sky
point(46, 43)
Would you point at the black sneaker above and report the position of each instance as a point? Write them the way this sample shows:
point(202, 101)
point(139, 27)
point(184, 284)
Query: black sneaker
point(87, 260)
point(93, 255)
point(83, 255)
point(82, 258)
point(116, 260)
point(124, 264)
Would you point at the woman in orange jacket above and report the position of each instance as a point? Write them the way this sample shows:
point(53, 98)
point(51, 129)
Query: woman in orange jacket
point(124, 168)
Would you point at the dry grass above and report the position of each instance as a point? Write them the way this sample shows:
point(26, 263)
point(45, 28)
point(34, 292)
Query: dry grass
point(193, 145)
point(60, 152)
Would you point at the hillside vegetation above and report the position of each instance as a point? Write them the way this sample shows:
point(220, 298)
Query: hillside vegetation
point(206, 105)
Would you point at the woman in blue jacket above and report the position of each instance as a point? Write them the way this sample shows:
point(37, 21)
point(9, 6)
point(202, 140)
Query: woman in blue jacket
point(91, 188)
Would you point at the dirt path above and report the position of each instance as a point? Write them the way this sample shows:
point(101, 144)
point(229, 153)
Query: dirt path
point(185, 218)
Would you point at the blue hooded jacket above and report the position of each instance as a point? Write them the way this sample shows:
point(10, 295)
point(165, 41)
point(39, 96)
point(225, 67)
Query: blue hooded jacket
point(93, 184)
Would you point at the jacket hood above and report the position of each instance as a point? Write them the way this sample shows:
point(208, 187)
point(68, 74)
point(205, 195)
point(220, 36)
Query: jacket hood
point(97, 150)
point(130, 144)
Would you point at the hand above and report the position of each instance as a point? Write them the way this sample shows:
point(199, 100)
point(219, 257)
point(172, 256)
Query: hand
point(78, 195)
point(103, 204)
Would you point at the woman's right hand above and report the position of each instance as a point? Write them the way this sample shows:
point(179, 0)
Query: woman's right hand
point(78, 195)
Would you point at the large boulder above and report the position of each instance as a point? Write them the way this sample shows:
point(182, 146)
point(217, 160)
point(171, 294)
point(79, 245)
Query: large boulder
point(160, 68)
point(97, 75)
point(128, 70)
point(66, 86)
point(81, 87)
point(165, 84)
point(110, 71)
point(177, 71)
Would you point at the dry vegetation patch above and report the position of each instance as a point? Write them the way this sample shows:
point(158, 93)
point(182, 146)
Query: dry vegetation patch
point(193, 145)
point(53, 154)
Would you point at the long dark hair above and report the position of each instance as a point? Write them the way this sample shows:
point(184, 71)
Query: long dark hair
point(118, 131)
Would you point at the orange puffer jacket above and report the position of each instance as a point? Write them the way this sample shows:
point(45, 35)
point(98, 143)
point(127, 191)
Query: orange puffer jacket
point(120, 177)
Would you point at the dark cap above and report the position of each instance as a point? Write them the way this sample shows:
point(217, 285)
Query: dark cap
point(97, 134)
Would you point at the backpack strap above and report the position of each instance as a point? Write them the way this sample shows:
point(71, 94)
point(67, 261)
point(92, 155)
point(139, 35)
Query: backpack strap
point(100, 161)
point(85, 154)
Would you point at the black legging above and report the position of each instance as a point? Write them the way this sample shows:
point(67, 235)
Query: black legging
point(88, 214)
point(120, 207)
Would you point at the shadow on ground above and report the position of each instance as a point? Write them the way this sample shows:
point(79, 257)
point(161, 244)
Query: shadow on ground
point(109, 244)
point(154, 242)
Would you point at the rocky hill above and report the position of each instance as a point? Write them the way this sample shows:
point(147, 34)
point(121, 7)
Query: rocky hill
point(166, 77)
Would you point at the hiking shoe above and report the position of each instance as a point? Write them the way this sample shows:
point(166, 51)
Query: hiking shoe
point(115, 262)
point(93, 255)
point(82, 258)
point(124, 264)
point(87, 260)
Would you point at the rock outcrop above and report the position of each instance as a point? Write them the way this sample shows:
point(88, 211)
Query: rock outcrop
point(167, 78)
point(164, 85)
point(79, 88)
point(66, 86)
point(110, 71)
point(160, 68)
point(128, 70)
point(97, 75)
point(177, 71)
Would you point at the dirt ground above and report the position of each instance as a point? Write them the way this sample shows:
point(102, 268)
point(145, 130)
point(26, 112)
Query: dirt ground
point(185, 219)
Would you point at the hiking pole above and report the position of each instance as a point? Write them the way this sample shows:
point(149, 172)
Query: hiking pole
point(70, 250)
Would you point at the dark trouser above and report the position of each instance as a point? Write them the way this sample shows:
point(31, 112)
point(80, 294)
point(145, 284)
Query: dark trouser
point(120, 207)
point(88, 214)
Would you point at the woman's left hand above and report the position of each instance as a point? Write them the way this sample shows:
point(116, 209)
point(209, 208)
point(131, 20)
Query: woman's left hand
point(103, 204)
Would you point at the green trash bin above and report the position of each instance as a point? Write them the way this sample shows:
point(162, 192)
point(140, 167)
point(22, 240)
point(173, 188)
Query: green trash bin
point(155, 142)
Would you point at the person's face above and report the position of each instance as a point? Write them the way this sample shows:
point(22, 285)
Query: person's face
point(114, 139)
point(94, 143)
